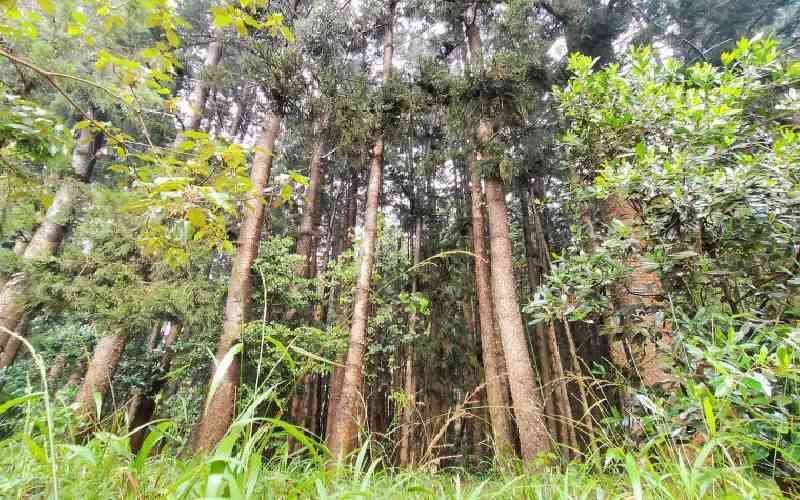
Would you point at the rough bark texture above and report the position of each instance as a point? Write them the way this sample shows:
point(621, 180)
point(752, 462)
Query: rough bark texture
point(99, 373)
point(343, 432)
point(221, 406)
point(494, 365)
point(637, 301)
point(526, 400)
point(50, 233)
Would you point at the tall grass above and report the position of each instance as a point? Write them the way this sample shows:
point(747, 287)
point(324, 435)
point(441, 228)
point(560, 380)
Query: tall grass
point(253, 461)
point(46, 454)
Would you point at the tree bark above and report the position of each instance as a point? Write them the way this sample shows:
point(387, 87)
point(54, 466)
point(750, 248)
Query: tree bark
point(342, 438)
point(637, 301)
point(305, 234)
point(494, 361)
point(219, 411)
point(99, 372)
point(494, 365)
point(337, 373)
point(526, 400)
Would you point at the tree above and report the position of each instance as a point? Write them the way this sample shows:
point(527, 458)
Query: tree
point(343, 431)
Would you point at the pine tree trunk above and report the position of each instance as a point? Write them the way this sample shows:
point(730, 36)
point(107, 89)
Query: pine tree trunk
point(343, 432)
point(219, 412)
point(99, 372)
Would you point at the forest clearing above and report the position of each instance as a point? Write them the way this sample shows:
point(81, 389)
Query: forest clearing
point(400, 249)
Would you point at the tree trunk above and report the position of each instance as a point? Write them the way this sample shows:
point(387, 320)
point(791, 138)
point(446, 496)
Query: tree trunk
point(199, 96)
point(494, 356)
point(526, 401)
point(98, 376)
point(410, 381)
point(50, 233)
point(342, 438)
point(337, 373)
point(305, 234)
point(637, 301)
point(535, 272)
point(494, 364)
point(219, 411)
point(140, 411)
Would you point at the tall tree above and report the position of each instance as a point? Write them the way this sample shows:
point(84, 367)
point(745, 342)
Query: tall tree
point(342, 437)
point(221, 404)
point(526, 399)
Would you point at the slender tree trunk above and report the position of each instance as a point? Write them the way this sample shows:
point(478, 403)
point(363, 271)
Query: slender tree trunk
point(337, 373)
point(495, 354)
point(410, 381)
point(526, 400)
point(533, 258)
point(305, 234)
point(219, 411)
point(342, 438)
point(99, 372)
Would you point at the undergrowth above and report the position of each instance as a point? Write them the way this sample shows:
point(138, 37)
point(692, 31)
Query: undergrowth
point(253, 461)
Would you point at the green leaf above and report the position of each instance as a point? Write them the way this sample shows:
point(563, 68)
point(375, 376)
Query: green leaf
point(708, 411)
point(222, 19)
point(221, 370)
point(157, 433)
point(11, 403)
point(197, 216)
point(635, 476)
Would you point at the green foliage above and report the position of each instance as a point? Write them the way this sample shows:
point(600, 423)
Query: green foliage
point(709, 159)
point(253, 461)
